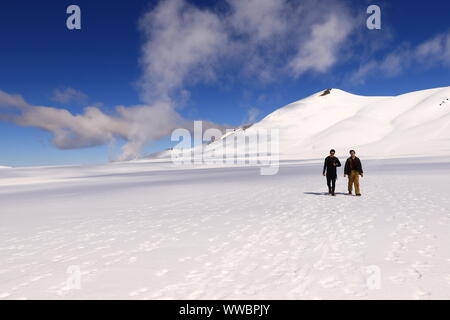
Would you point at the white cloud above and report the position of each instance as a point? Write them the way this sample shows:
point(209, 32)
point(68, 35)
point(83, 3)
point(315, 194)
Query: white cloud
point(12, 101)
point(358, 77)
point(432, 52)
point(182, 45)
point(321, 49)
point(262, 39)
point(145, 124)
point(435, 50)
point(252, 115)
point(259, 19)
point(137, 124)
point(68, 95)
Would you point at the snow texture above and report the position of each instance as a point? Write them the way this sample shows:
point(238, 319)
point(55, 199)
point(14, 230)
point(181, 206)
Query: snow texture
point(151, 230)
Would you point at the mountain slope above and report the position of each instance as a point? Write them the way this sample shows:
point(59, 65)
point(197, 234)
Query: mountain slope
point(412, 124)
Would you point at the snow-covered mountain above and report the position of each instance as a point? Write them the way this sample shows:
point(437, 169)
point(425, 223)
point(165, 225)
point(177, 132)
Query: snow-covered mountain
point(412, 124)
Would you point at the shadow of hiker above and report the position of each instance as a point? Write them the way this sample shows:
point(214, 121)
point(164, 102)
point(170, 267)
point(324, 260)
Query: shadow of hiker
point(317, 193)
point(325, 193)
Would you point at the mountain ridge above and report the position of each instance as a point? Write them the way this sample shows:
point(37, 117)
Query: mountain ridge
point(411, 124)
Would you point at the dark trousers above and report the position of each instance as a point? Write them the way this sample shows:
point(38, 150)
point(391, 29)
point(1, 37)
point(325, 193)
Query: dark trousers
point(331, 183)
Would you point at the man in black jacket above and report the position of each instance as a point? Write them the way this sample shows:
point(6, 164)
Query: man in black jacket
point(353, 169)
point(329, 170)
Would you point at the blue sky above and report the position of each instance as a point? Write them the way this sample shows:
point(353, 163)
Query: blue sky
point(242, 60)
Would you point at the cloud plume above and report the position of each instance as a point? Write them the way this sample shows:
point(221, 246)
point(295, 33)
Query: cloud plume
point(68, 95)
point(431, 52)
point(182, 44)
point(137, 124)
point(264, 39)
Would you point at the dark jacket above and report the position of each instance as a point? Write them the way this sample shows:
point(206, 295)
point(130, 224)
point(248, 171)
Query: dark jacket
point(353, 165)
point(330, 165)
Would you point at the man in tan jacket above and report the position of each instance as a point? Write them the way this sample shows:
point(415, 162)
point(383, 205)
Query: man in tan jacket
point(353, 169)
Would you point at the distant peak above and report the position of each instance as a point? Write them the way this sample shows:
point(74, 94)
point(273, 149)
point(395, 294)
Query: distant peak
point(327, 91)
